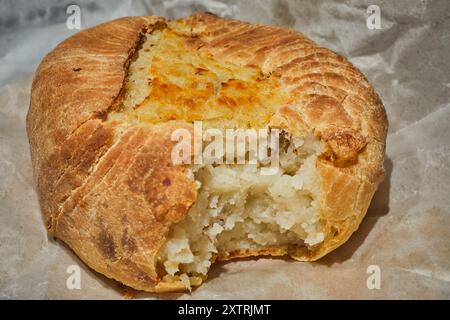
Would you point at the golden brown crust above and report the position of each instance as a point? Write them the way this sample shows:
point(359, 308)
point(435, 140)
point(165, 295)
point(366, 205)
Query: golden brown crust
point(118, 219)
point(74, 87)
point(91, 183)
point(111, 193)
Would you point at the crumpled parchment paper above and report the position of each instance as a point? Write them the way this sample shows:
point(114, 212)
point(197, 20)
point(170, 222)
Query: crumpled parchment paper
point(406, 233)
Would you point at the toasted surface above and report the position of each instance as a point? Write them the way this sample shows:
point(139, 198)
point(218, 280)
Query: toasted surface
point(100, 137)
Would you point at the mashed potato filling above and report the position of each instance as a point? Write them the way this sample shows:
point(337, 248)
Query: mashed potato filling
point(239, 209)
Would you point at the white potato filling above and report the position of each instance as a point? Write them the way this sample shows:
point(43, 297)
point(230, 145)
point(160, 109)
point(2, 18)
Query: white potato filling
point(237, 208)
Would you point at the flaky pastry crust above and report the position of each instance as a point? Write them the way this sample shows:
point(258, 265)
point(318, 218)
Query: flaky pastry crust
point(111, 192)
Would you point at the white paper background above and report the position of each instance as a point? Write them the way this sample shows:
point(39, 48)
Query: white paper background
point(407, 229)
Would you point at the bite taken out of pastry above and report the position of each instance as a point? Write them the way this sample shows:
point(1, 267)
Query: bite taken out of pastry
point(106, 102)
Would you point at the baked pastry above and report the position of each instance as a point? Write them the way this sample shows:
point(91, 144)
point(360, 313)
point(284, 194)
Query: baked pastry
point(104, 104)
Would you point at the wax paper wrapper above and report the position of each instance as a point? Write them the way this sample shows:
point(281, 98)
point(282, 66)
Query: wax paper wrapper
point(404, 240)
